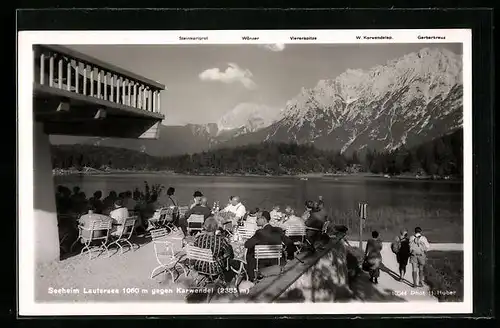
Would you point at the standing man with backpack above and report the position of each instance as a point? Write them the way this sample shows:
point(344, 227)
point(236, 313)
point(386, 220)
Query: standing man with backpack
point(418, 249)
point(401, 247)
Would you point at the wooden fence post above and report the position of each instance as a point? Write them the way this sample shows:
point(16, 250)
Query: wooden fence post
point(362, 217)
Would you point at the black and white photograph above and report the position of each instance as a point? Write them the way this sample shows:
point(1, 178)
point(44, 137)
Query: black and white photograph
point(223, 167)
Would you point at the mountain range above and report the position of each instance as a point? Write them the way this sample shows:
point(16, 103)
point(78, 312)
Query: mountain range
point(407, 101)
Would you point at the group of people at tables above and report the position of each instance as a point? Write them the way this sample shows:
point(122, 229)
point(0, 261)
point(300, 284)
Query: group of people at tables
point(75, 202)
point(220, 224)
point(75, 210)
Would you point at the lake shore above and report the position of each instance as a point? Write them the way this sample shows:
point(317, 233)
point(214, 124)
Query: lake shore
point(304, 176)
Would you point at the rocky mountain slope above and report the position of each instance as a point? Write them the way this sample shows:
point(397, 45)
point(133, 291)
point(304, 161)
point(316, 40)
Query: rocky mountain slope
point(408, 101)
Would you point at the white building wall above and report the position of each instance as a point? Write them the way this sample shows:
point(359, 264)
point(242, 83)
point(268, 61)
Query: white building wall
point(46, 230)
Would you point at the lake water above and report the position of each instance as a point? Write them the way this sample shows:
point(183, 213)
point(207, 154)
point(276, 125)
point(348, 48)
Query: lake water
point(339, 193)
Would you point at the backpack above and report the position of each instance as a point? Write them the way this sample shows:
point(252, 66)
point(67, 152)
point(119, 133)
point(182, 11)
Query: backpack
point(416, 247)
point(396, 246)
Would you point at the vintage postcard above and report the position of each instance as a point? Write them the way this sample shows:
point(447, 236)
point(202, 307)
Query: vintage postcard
point(245, 172)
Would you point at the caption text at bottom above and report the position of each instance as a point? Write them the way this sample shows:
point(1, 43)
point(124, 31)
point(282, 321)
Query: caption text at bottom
point(142, 291)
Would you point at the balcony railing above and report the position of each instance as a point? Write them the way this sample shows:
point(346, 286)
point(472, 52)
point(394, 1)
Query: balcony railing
point(62, 68)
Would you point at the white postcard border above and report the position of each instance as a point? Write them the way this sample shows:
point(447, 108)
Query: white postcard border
point(26, 269)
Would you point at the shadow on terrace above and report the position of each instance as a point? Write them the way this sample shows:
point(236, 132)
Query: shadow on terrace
point(332, 274)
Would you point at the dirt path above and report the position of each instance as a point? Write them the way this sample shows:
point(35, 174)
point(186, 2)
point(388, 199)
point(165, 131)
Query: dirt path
point(388, 284)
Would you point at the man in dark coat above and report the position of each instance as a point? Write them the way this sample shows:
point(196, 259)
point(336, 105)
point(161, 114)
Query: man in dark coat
point(267, 235)
point(198, 209)
point(315, 223)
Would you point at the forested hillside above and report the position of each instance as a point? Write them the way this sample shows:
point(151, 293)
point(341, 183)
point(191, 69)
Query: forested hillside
point(442, 157)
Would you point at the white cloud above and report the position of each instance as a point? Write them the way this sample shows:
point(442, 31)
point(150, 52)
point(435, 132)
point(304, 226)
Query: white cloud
point(253, 116)
point(274, 47)
point(232, 74)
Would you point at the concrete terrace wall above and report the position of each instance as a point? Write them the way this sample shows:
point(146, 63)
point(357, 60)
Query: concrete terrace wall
point(45, 216)
point(325, 281)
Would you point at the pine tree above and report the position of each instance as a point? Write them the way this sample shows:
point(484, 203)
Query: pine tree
point(369, 157)
point(355, 158)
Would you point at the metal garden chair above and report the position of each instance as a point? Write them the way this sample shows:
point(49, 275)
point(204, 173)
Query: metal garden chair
point(246, 232)
point(264, 252)
point(126, 232)
point(165, 255)
point(201, 261)
point(99, 231)
point(241, 270)
point(182, 210)
point(297, 231)
point(196, 219)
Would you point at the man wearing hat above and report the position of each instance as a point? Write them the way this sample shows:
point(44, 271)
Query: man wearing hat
point(200, 208)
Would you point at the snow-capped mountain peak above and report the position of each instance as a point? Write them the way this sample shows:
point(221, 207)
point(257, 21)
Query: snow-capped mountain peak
point(248, 117)
point(390, 103)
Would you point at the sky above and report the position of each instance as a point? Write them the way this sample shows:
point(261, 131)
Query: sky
point(204, 82)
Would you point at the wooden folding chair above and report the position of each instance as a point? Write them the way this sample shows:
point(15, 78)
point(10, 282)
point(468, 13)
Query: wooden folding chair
point(246, 232)
point(159, 234)
point(159, 218)
point(204, 258)
point(137, 214)
point(126, 232)
point(263, 252)
point(182, 210)
point(169, 218)
point(90, 235)
point(294, 231)
point(165, 255)
point(196, 219)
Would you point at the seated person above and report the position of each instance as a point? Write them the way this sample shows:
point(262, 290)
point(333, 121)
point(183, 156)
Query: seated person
point(109, 201)
point(309, 204)
point(119, 214)
point(321, 203)
point(129, 202)
point(291, 218)
point(133, 209)
point(237, 209)
point(136, 195)
point(199, 209)
point(221, 249)
point(86, 220)
point(267, 235)
point(148, 210)
point(252, 216)
point(314, 223)
point(275, 213)
point(63, 201)
point(96, 202)
point(196, 199)
point(170, 201)
point(81, 203)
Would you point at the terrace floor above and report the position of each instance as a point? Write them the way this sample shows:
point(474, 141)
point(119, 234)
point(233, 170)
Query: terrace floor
point(123, 273)
point(130, 270)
